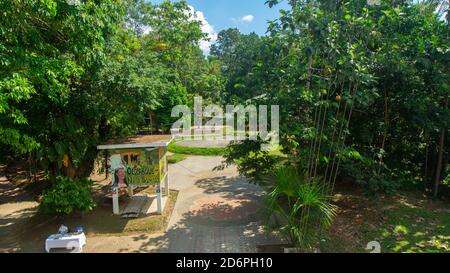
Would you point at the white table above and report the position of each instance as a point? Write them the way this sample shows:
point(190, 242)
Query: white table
point(67, 241)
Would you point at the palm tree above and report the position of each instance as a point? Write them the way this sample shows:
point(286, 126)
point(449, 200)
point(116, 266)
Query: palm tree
point(298, 207)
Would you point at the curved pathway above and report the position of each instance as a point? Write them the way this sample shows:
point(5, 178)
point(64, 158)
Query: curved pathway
point(216, 211)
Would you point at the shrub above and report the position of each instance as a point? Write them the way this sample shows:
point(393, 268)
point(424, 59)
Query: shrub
point(251, 160)
point(372, 175)
point(68, 195)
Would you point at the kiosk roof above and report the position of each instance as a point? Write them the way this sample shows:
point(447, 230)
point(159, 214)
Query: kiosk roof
point(143, 141)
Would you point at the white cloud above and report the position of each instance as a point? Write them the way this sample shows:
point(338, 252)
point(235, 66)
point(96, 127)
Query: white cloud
point(248, 18)
point(206, 28)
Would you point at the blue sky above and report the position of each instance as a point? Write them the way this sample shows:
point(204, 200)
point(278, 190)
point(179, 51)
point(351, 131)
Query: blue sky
point(246, 15)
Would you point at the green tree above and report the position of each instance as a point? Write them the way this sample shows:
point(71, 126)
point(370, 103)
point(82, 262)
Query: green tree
point(77, 73)
point(240, 56)
point(49, 51)
point(380, 69)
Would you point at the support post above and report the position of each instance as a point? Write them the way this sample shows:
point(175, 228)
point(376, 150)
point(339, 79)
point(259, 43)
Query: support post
point(115, 198)
point(166, 185)
point(159, 200)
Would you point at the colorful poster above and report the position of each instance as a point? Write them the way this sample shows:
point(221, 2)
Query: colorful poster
point(135, 168)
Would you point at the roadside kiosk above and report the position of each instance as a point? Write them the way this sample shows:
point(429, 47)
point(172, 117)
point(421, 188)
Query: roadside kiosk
point(139, 161)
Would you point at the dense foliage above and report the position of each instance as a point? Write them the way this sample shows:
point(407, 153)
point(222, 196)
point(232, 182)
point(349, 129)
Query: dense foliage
point(66, 196)
point(363, 90)
point(77, 73)
point(363, 94)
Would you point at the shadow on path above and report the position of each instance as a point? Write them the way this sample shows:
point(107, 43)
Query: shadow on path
point(224, 218)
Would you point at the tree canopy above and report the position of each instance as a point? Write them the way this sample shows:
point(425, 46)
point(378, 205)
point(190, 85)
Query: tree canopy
point(77, 73)
point(361, 87)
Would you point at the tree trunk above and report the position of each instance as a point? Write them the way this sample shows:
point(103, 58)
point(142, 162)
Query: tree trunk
point(386, 127)
point(30, 168)
point(106, 154)
point(440, 156)
point(425, 177)
point(87, 165)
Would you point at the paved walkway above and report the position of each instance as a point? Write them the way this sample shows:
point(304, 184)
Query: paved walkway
point(216, 211)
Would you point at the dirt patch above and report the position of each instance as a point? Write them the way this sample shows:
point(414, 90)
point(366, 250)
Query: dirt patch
point(31, 234)
point(354, 211)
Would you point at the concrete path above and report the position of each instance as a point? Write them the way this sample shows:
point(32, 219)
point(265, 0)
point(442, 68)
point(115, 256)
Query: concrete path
point(216, 211)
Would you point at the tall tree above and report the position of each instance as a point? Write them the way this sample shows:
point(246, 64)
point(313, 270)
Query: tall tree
point(239, 55)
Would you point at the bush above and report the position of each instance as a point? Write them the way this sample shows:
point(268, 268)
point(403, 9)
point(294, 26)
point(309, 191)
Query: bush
point(372, 175)
point(251, 160)
point(68, 195)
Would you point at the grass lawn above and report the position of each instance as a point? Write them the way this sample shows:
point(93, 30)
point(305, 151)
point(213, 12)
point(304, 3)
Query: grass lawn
point(413, 225)
point(175, 158)
point(178, 149)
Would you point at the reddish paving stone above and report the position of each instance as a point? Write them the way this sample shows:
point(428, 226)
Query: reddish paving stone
point(220, 208)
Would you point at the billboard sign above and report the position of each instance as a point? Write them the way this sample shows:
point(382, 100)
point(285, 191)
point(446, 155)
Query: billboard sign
point(135, 167)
